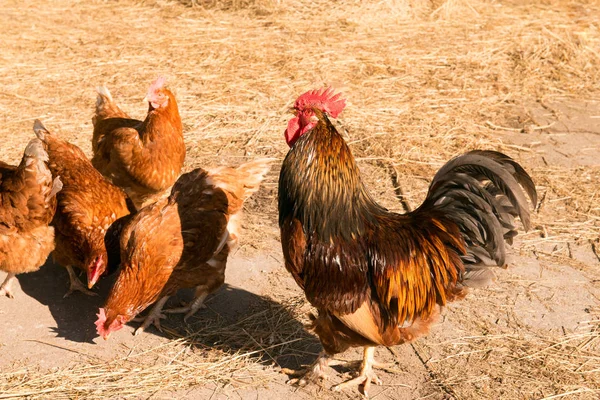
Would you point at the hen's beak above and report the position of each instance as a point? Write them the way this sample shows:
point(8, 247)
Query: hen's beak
point(93, 277)
point(146, 99)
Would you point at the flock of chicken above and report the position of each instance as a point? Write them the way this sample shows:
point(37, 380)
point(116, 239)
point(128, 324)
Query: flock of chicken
point(375, 277)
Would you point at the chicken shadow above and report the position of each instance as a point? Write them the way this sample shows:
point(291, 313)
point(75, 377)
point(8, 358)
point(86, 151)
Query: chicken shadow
point(75, 314)
point(234, 320)
point(238, 321)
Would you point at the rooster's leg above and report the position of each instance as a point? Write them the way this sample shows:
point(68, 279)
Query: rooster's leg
point(314, 373)
point(76, 285)
point(366, 375)
point(194, 306)
point(153, 317)
point(5, 288)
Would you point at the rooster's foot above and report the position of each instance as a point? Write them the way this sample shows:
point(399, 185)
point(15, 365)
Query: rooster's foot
point(314, 373)
point(366, 375)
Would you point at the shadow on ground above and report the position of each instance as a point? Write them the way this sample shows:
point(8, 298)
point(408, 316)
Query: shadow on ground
point(237, 320)
point(75, 314)
point(234, 320)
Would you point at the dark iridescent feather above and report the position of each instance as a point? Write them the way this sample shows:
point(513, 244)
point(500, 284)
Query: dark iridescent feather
point(482, 192)
point(353, 250)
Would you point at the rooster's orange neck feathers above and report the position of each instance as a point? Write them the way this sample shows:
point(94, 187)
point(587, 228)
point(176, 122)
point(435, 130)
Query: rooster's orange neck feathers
point(320, 185)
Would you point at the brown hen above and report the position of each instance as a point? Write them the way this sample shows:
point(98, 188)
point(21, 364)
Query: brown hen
point(378, 278)
point(180, 242)
point(89, 215)
point(142, 157)
point(27, 205)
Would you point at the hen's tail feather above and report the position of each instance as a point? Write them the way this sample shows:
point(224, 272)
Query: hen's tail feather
point(249, 174)
point(34, 165)
point(40, 130)
point(252, 173)
point(482, 192)
point(35, 149)
point(106, 107)
point(57, 185)
point(103, 96)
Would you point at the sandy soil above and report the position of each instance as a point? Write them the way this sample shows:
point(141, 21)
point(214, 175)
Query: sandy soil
point(498, 343)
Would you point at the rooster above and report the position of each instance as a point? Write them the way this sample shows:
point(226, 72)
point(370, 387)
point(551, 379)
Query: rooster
point(379, 278)
point(142, 157)
point(180, 242)
point(90, 213)
point(27, 205)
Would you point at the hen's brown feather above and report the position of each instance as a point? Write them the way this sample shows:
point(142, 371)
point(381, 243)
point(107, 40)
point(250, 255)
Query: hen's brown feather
point(88, 205)
point(27, 205)
point(182, 241)
point(151, 246)
point(142, 157)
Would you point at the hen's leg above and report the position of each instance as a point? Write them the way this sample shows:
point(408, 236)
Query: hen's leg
point(5, 288)
point(76, 285)
point(366, 375)
point(193, 307)
point(153, 317)
point(314, 373)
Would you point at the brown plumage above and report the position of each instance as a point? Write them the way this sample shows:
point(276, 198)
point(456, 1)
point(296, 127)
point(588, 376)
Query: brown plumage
point(142, 157)
point(377, 277)
point(89, 215)
point(180, 242)
point(27, 205)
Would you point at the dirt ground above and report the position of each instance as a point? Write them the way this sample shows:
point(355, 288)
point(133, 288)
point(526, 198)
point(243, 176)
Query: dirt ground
point(425, 80)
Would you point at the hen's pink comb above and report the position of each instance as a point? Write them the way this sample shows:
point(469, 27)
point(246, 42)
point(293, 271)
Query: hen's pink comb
point(158, 84)
point(100, 323)
point(324, 99)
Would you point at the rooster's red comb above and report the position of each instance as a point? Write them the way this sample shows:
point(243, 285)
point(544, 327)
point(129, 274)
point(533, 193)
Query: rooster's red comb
point(324, 99)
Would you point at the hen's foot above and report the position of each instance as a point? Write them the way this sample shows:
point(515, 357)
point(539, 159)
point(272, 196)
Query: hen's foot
point(5, 288)
point(313, 374)
point(75, 284)
point(190, 309)
point(153, 317)
point(366, 375)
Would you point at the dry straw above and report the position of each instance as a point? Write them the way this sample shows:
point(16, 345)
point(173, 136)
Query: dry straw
point(220, 352)
point(425, 80)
